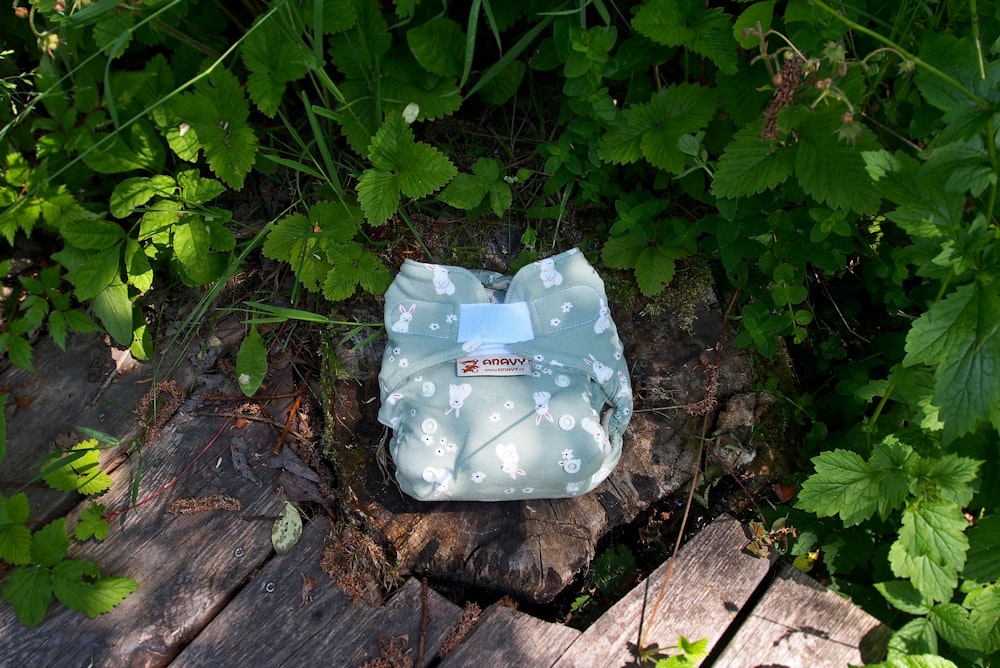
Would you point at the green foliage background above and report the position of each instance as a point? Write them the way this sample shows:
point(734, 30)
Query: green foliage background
point(835, 161)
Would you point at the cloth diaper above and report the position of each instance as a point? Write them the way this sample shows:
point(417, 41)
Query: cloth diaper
point(500, 387)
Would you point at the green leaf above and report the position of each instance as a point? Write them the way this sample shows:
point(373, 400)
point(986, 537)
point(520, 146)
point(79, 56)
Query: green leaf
point(427, 170)
point(843, 484)
point(251, 362)
point(293, 240)
point(287, 529)
point(378, 193)
point(960, 335)
point(820, 156)
point(951, 476)
point(57, 330)
point(273, 59)
point(191, 248)
point(137, 147)
point(688, 23)
point(78, 586)
point(749, 166)
point(195, 189)
point(931, 546)
point(137, 267)
point(951, 621)
point(114, 309)
point(15, 543)
point(985, 616)
point(29, 590)
point(338, 15)
point(50, 543)
point(984, 550)
point(466, 191)
point(501, 198)
point(91, 523)
point(96, 273)
point(904, 596)
point(80, 322)
point(18, 350)
point(92, 234)
point(759, 13)
point(78, 470)
point(3, 435)
point(654, 130)
point(439, 46)
point(113, 31)
point(915, 637)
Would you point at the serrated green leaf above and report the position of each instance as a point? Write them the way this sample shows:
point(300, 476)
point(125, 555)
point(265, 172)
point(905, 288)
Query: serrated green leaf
point(98, 272)
point(466, 191)
point(137, 147)
point(15, 543)
point(501, 198)
point(293, 240)
point(960, 335)
point(29, 590)
point(137, 267)
point(903, 596)
point(273, 60)
point(251, 362)
point(749, 166)
point(19, 350)
point(196, 189)
point(50, 543)
point(80, 322)
point(78, 586)
point(951, 476)
point(378, 193)
point(91, 523)
point(439, 46)
point(287, 529)
point(427, 170)
point(844, 484)
point(951, 621)
point(113, 31)
point(78, 470)
point(931, 547)
point(16, 508)
point(916, 637)
point(985, 617)
point(338, 15)
point(688, 23)
point(984, 550)
point(93, 234)
point(57, 330)
point(833, 171)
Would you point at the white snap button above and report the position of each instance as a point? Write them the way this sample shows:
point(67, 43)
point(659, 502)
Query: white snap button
point(562, 380)
point(429, 426)
point(566, 422)
point(428, 389)
point(429, 475)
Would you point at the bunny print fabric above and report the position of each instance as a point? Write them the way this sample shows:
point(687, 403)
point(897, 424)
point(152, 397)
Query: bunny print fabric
point(499, 387)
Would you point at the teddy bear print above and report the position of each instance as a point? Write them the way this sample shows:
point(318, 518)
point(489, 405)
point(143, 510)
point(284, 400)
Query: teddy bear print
point(549, 274)
point(542, 406)
point(442, 281)
point(601, 371)
point(507, 452)
point(405, 316)
point(457, 394)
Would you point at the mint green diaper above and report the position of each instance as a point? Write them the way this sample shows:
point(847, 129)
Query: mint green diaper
point(500, 387)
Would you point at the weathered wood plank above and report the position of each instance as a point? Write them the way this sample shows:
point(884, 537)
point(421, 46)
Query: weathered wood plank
point(187, 566)
point(799, 622)
point(711, 580)
point(506, 637)
point(288, 602)
point(354, 636)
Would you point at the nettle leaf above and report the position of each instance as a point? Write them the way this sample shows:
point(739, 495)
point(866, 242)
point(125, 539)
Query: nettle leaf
point(91, 523)
point(78, 585)
point(29, 590)
point(833, 171)
point(132, 193)
point(688, 23)
point(923, 207)
point(960, 335)
point(653, 130)
point(251, 362)
point(844, 484)
point(951, 621)
point(749, 166)
point(273, 59)
point(951, 476)
point(916, 637)
point(439, 46)
point(78, 470)
point(984, 550)
point(931, 547)
point(985, 616)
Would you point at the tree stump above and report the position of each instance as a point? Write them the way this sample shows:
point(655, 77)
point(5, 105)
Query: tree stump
point(685, 373)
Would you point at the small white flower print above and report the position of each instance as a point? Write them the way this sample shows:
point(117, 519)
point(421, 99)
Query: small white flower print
point(396, 350)
point(509, 405)
point(567, 307)
point(439, 452)
point(417, 379)
point(478, 477)
point(494, 417)
point(434, 326)
point(536, 374)
point(555, 322)
point(403, 362)
point(443, 441)
point(617, 355)
point(451, 317)
point(392, 359)
point(427, 439)
point(527, 490)
point(509, 490)
point(451, 447)
point(539, 358)
point(547, 371)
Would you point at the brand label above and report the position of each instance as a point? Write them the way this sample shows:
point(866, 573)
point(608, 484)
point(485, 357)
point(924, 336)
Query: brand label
point(493, 365)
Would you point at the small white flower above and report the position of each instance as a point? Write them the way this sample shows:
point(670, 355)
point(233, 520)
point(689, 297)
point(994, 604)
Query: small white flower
point(403, 362)
point(509, 405)
point(439, 452)
point(451, 317)
point(392, 358)
point(396, 350)
point(478, 477)
point(434, 326)
point(555, 322)
point(495, 417)
point(539, 358)
point(244, 379)
point(443, 441)
point(451, 447)
point(410, 112)
point(427, 439)
point(567, 307)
